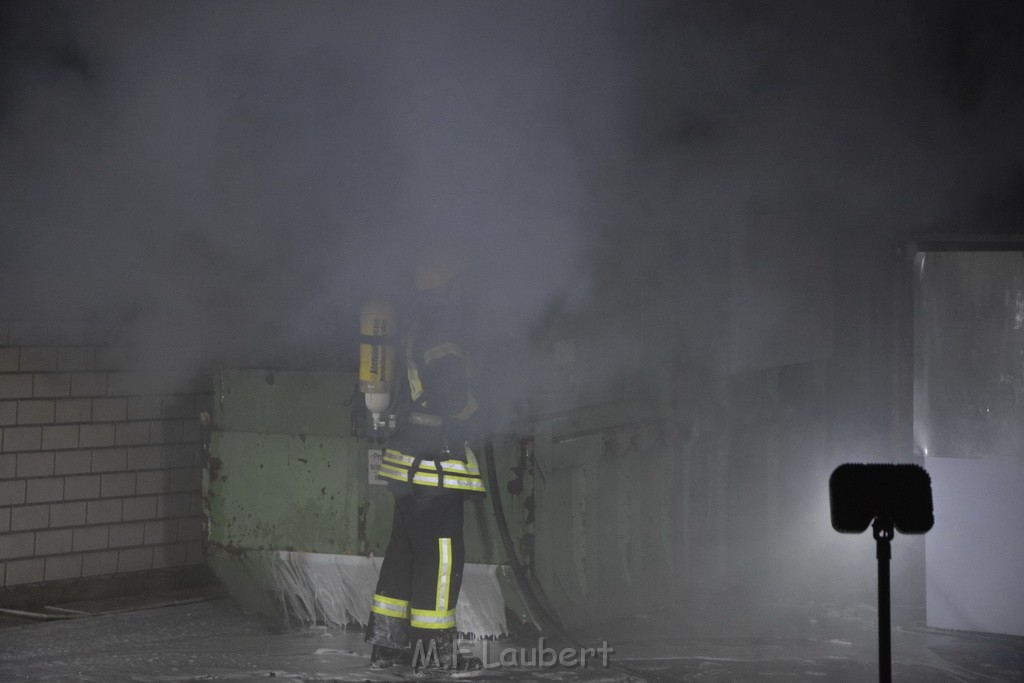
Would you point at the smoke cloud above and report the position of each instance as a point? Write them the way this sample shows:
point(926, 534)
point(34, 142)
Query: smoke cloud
point(237, 177)
point(714, 181)
point(241, 176)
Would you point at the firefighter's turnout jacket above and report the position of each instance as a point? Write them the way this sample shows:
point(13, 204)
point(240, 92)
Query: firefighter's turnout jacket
point(429, 452)
point(430, 470)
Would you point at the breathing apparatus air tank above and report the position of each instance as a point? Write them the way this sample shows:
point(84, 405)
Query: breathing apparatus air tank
point(377, 360)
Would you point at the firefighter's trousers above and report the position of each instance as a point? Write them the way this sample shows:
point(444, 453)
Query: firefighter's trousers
point(420, 578)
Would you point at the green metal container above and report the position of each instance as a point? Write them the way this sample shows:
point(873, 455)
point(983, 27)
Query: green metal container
point(285, 473)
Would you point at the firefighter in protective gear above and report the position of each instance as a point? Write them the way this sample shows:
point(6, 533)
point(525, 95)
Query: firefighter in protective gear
point(431, 471)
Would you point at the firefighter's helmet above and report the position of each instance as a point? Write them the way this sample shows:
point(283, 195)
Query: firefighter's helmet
point(438, 266)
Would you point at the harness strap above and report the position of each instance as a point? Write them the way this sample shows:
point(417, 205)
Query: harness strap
point(415, 467)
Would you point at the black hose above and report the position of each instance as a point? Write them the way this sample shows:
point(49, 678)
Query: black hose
point(547, 621)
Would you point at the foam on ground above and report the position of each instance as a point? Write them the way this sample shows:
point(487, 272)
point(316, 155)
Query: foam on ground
point(336, 590)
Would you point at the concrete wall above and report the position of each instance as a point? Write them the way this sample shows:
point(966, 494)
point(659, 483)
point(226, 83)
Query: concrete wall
point(99, 459)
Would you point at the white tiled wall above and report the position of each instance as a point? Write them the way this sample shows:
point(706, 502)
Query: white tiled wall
point(99, 459)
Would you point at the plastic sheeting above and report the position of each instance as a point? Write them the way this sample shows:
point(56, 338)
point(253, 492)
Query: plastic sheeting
point(969, 422)
point(969, 355)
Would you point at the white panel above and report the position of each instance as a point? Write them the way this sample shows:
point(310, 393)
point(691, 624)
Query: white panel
point(975, 553)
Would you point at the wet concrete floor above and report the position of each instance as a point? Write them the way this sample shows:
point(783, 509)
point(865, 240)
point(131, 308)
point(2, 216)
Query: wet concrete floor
point(213, 640)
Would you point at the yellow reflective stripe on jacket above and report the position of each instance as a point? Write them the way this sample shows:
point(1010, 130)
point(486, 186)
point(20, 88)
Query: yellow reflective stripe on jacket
point(431, 618)
point(452, 349)
point(391, 472)
point(444, 573)
point(471, 463)
point(453, 466)
point(390, 607)
point(412, 372)
point(429, 356)
point(455, 483)
point(440, 351)
point(462, 476)
point(415, 385)
point(471, 406)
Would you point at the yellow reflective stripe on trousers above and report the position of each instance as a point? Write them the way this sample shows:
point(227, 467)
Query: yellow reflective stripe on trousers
point(444, 573)
point(390, 607)
point(432, 618)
